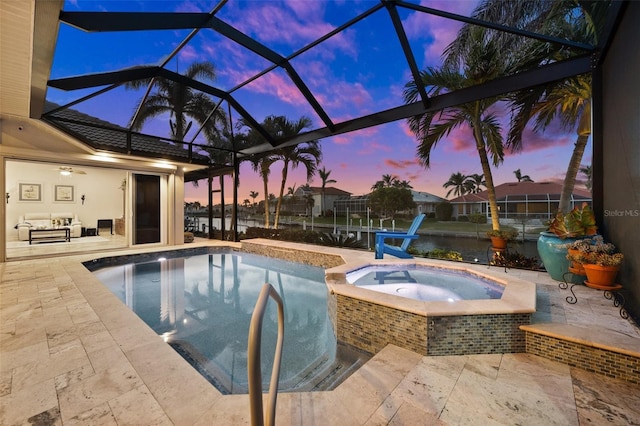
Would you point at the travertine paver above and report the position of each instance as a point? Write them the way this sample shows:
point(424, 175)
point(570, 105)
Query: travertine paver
point(71, 353)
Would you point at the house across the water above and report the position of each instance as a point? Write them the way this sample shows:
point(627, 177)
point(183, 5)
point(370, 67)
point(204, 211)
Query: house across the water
point(519, 201)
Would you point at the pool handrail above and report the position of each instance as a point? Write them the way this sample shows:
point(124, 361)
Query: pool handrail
point(253, 358)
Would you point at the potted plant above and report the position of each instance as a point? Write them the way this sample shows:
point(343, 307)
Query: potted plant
point(500, 238)
point(562, 230)
point(601, 263)
point(575, 249)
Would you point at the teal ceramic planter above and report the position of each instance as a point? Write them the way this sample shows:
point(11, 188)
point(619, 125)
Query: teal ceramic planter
point(553, 253)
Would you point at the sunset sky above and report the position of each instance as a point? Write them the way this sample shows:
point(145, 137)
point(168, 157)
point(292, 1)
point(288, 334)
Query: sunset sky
point(357, 72)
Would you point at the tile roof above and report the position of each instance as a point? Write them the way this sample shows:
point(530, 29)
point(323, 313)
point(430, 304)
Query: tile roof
point(328, 190)
point(425, 197)
point(100, 134)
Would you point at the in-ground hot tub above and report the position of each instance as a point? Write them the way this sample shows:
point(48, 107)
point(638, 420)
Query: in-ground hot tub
point(425, 283)
point(370, 318)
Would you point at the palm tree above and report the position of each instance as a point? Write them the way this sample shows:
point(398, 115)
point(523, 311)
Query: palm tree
point(291, 193)
point(181, 103)
point(587, 171)
point(473, 183)
point(324, 177)
point(521, 177)
point(484, 62)
point(387, 181)
point(262, 165)
point(405, 184)
point(254, 195)
point(570, 99)
point(307, 154)
point(457, 182)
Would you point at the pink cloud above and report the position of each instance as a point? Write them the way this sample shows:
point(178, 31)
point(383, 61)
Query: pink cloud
point(436, 32)
point(275, 84)
point(352, 137)
point(343, 139)
point(373, 147)
point(188, 54)
point(402, 164)
point(459, 140)
point(342, 93)
point(297, 24)
point(404, 126)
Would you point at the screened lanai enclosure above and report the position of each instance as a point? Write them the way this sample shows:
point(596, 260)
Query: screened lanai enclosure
point(255, 73)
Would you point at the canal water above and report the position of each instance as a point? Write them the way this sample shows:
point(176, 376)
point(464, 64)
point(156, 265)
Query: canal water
point(472, 249)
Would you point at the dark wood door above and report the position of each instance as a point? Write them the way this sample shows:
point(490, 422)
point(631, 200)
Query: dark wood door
point(146, 214)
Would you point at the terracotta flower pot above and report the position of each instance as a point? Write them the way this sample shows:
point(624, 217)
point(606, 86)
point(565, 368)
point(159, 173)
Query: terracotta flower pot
point(576, 267)
point(601, 276)
point(499, 243)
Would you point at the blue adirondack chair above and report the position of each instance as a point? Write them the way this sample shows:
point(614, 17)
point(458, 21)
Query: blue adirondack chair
point(401, 250)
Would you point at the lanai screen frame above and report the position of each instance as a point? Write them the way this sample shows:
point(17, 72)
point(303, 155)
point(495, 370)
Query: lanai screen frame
point(589, 62)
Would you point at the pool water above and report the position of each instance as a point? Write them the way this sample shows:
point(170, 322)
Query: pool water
point(202, 304)
point(425, 283)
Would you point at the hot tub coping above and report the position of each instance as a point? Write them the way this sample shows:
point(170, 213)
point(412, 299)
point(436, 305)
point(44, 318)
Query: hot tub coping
point(519, 295)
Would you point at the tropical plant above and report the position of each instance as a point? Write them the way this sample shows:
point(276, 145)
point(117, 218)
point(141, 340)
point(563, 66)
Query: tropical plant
point(483, 61)
point(386, 182)
point(262, 165)
point(568, 100)
point(324, 177)
point(350, 241)
point(505, 234)
point(181, 103)
point(521, 177)
point(445, 254)
point(457, 183)
point(254, 195)
point(595, 251)
point(514, 260)
point(587, 172)
point(473, 183)
point(307, 154)
point(404, 184)
point(579, 222)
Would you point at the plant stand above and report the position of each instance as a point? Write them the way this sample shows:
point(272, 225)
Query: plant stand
point(493, 251)
point(609, 293)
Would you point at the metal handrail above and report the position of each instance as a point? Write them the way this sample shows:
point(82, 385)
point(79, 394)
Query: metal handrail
point(253, 359)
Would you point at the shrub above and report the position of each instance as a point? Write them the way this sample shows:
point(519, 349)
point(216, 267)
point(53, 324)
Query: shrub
point(477, 218)
point(515, 260)
point(444, 211)
point(463, 218)
point(444, 254)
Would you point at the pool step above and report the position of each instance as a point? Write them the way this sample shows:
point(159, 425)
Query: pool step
point(595, 349)
point(326, 375)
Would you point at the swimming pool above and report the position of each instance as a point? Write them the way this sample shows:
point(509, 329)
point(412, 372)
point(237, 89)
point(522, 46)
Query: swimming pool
point(426, 283)
point(201, 304)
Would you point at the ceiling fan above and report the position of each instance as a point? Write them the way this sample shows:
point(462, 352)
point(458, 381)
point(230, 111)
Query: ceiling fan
point(67, 171)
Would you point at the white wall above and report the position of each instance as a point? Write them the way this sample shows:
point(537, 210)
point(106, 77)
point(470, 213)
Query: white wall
point(100, 186)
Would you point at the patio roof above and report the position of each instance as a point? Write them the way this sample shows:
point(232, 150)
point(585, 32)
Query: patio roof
point(261, 60)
